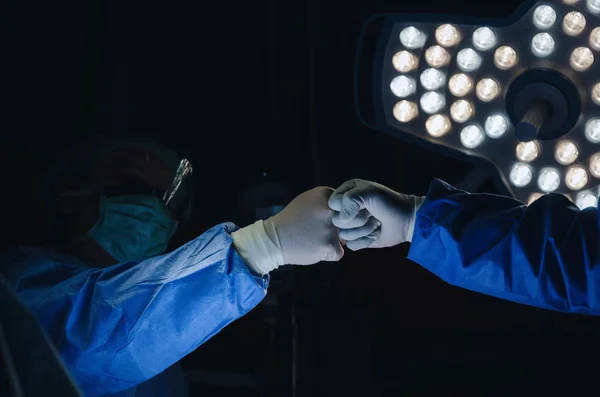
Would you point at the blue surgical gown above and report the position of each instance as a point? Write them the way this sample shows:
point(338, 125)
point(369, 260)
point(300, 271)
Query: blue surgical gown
point(119, 328)
point(545, 255)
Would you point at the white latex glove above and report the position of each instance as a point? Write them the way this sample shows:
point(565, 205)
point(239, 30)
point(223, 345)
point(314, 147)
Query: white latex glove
point(371, 215)
point(301, 234)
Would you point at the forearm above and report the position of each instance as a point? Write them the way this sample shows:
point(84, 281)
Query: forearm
point(544, 255)
point(259, 246)
point(119, 326)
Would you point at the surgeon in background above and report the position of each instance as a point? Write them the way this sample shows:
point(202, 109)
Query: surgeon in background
point(121, 311)
point(545, 255)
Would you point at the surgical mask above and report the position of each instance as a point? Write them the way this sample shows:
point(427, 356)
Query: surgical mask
point(133, 228)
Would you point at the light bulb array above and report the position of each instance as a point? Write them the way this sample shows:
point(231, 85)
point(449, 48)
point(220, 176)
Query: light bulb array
point(448, 84)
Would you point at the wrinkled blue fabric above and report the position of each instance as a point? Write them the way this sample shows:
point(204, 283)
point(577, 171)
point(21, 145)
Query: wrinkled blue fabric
point(545, 255)
point(118, 327)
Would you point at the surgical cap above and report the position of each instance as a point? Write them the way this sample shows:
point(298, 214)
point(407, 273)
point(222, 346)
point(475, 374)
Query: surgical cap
point(75, 164)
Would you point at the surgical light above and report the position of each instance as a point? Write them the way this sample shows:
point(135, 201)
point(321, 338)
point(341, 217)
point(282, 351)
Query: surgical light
point(405, 61)
point(595, 39)
point(586, 199)
point(595, 165)
point(432, 79)
point(487, 89)
point(543, 44)
point(505, 57)
point(432, 102)
point(582, 59)
point(437, 56)
point(468, 60)
point(484, 38)
point(574, 23)
point(522, 94)
point(527, 151)
point(496, 125)
point(521, 174)
point(460, 84)
point(472, 136)
point(596, 94)
point(544, 17)
point(576, 177)
point(566, 152)
point(437, 125)
point(548, 180)
point(403, 86)
point(461, 111)
point(405, 111)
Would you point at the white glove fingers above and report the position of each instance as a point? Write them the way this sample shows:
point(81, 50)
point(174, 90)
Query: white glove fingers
point(351, 206)
point(335, 201)
point(360, 220)
point(360, 232)
point(363, 243)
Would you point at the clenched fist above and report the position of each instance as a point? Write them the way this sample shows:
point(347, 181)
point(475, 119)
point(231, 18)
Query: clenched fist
point(305, 229)
point(371, 215)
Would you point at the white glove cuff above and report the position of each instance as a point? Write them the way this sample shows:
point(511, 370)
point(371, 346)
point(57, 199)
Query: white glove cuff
point(261, 253)
point(416, 204)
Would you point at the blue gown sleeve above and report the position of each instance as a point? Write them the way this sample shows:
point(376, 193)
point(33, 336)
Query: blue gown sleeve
point(545, 255)
point(120, 326)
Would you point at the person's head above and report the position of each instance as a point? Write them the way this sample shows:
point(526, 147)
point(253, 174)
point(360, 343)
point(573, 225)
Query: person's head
point(113, 200)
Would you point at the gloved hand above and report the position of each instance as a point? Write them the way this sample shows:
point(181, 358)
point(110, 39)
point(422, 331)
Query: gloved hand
point(371, 215)
point(305, 230)
point(301, 234)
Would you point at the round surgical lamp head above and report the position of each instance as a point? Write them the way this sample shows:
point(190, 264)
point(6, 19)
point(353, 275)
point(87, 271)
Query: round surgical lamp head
point(522, 94)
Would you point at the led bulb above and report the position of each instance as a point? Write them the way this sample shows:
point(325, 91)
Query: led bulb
point(595, 165)
point(432, 79)
point(403, 86)
point(412, 38)
point(566, 152)
point(472, 136)
point(544, 17)
point(496, 126)
point(487, 90)
point(595, 39)
point(574, 23)
point(437, 56)
point(432, 102)
point(460, 84)
point(534, 197)
point(596, 94)
point(437, 125)
point(576, 177)
point(527, 151)
point(447, 35)
point(505, 57)
point(461, 111)
point(405, 61)
point(548, 180)
point(542, 45)
point(521, 175)
point(405, 111)
point(468, 60)
point(586, 200)
point(484, 39)
point(582, 58)
point(570, 2)
point(593, 5)
point(592, 131)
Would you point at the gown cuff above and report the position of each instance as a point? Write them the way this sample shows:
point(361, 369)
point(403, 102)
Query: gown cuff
point(416, 204)
point(261, 252)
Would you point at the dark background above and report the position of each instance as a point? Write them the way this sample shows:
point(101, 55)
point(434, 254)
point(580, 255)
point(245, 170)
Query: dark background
point(256, 92)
